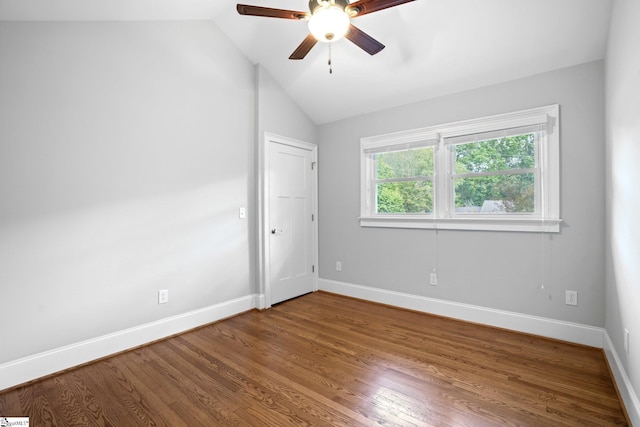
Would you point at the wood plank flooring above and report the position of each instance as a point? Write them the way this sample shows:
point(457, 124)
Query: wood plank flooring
point(326, 360)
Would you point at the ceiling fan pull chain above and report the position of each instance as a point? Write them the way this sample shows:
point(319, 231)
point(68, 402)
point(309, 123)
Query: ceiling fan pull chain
point(329, 62)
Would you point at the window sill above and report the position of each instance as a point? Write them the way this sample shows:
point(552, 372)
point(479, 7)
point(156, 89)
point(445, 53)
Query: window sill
point(534, 225)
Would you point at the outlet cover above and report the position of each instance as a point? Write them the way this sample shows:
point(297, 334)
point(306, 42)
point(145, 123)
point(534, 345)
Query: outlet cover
point(571, 298)
point(338, 265)
point(433, 279)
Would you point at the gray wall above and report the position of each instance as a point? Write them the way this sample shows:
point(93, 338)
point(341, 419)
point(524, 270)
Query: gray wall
point(126, 150)
point(501, 270)
point(125, 153)
point(279, 114)
point(623, 178)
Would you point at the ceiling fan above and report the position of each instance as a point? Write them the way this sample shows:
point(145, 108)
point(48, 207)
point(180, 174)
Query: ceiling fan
point(329, 21)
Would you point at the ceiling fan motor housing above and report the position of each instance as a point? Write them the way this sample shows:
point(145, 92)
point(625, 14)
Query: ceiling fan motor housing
point(315, 4)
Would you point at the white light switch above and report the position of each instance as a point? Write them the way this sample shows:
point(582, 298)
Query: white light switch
point(163, 296)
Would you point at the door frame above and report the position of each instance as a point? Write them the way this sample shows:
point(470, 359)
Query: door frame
point(264, 251)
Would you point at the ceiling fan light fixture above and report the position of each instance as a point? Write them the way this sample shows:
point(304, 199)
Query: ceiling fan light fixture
point(328, 24)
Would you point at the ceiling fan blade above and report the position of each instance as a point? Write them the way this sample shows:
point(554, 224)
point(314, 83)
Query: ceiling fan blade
point(363, 40)
point(304, 48)
point(245, 9)
point(362, 7)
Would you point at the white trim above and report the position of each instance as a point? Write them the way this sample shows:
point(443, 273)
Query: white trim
point(547, 182)
point(46, 363)
point(424, 136)
point(264, 272)
point(261, 301)
point(476, 222)
point(541, 326)
point(533, 116)
point(625, 388)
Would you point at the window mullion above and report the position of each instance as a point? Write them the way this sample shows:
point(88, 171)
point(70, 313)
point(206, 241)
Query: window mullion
point(442, 177)
point(541, 161)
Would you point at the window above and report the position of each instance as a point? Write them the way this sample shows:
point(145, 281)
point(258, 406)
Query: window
point(404, 181)
point(493, 173)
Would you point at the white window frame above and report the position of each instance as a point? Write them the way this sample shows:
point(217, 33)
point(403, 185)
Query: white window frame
point(546, 218)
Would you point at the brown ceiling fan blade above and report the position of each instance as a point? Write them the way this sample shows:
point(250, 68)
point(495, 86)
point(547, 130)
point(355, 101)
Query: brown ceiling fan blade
point(304, 48)
point(363, 40)
point(246, 9)
point(363, 7)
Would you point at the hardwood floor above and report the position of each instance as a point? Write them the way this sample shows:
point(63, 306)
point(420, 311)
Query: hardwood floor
point(326, 360)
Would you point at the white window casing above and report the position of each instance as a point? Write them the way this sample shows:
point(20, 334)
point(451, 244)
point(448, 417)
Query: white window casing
point(544, 121)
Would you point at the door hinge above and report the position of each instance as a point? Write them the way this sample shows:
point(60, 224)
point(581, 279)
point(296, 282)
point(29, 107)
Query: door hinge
point(313, 165)
point(312, 217)
point(313, 268)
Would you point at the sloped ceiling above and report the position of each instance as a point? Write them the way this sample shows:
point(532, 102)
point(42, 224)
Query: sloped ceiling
point(433, 47)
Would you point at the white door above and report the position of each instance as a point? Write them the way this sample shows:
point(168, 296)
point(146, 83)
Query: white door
point(290, 221)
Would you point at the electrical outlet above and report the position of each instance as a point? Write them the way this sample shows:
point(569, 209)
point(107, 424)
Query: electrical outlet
point(338, 265)
point(433, 279)
point(626, 340)
point(163, 296)
point(242, 213)
point(571, 298)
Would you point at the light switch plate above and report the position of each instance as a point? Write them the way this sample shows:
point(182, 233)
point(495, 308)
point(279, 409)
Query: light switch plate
point(163, 296)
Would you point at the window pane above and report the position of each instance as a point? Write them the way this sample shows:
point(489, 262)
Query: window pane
point(501, 194)
point(514, 152)
point(411, 197)
point(404, 164)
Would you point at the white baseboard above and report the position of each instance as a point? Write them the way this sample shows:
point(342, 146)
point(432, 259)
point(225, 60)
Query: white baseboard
point(261, 301)
point(550, 328)
point(625, 388)
point(39, 365)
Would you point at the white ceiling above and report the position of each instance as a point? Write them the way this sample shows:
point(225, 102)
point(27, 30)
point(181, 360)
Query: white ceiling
point(433, 47)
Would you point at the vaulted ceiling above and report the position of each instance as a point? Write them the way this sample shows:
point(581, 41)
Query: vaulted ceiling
point(433, 47)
